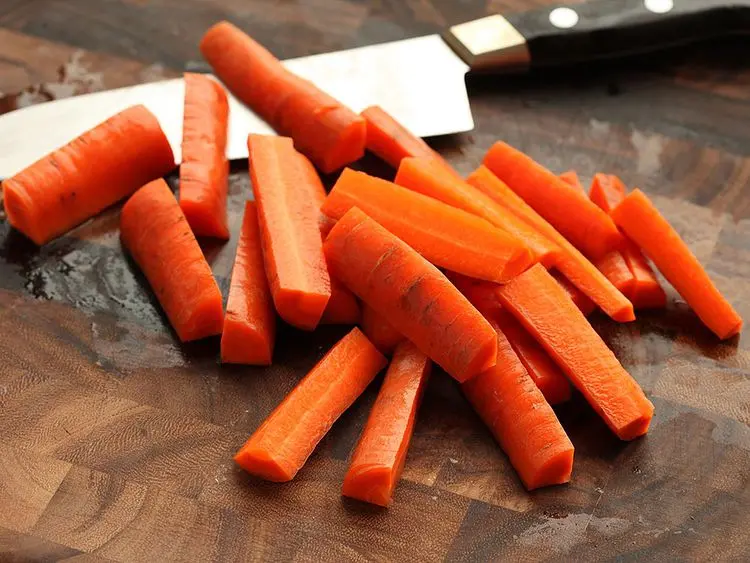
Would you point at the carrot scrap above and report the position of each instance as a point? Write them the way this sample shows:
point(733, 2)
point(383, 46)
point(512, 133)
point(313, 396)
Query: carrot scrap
point(645, 226)
point(519, 417)
point(576, 267)
point(607, 191)
point(580, 221)
point(446, 236)
point(392, 142)
point(571, 178)
point(279, 448)
point(411, 294)
point(250, 322)
point(204, 172)
point(580, 299)
point(544, 309)
point(323, 129)
point(425, 177)
point(379, 457)
point(92, 172)
point(155, 232)
point(288, 215)
point(379, 331)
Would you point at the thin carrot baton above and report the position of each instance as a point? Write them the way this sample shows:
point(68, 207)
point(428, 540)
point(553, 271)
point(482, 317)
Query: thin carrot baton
point(411, 294)
point(156, 234)
point(580, 299)
point(279, 448)
point(77, 181)
point(204, 170)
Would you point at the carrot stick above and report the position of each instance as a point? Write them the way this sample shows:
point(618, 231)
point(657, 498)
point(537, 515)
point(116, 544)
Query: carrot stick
point(392, 142)
point(325, 130)
point(543, 371)
point(343, 307)
point(250, 322)
point(426, 177)
point(571, 178)
point(573, 215)
point(381, 452)
point(380, 332)
point(446, 236)
point(281, 445)
point(543, 308)
point(643, 223)
point(155, 232)
point(288, 215)
point(523, 423)
point(92, 172)
point(616, 270)
point(576, 268)
point(580, 300)
point(607, 191)
point(204, 170)
point(411, 294)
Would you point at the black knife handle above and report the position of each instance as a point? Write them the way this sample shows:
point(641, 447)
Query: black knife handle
point(600, 29)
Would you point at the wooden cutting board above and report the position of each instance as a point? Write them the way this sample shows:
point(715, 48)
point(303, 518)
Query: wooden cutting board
point(116, 442)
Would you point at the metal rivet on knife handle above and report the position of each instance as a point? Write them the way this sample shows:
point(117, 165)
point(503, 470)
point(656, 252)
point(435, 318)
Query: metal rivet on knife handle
point(489, 43)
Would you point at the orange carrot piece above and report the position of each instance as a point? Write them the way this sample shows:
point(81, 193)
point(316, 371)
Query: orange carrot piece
point(543, 308)
point(425, 177)
point(155, 232)
point(204, 172)
point(607, 191)
point(411, 294)
point(616, 270)
point(580, 300)
point(279, 448)
point(323, 129)
point(380, 455)
point(571, 178)
point(446, 236)
point(543, 371)
point(392, 142)
point(343, 307)
point(574, 265)
point(92, 172)
point(520, 419)
point(250, 322)
point(288, 215)
point(380, 332)
point(643, 223)
point(572, 214)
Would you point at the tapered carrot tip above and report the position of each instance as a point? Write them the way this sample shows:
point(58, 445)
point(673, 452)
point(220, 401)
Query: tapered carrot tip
point(554, 471)
point(261, 464)
point(372, 484)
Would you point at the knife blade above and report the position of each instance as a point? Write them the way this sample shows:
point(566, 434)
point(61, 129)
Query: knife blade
point(420, 81)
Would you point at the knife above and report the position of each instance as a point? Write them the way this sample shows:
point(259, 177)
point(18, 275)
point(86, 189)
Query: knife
point(419, 81)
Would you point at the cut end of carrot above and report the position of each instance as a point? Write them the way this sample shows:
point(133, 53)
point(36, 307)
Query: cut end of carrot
point(638, 427)
point(349, 147)
point(485, 359)
point(242, 345)
point(372, 484)
point(261, 464)
point(207, 319)
point(201, 223)
point(18, 211)
point(557, 470)
point(301, 309)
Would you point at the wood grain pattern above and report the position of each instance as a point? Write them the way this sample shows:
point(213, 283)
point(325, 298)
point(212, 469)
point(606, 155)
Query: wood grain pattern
point(117, 441)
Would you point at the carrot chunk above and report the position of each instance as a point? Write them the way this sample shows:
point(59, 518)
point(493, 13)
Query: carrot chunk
point(279, 448)
point(250, 322)
point(425, 177)
point(204, 170)
point(411, 294)
point(607, 191)
point(92, 172)
point(155, 232)
point(381, 452)
point(288, 215)
point(544, 309)
point(379, 331)
point(570, 262)
point(645, 226)
point(580, 221)
point(323, 129)
point(444, 235)
point(571, 178)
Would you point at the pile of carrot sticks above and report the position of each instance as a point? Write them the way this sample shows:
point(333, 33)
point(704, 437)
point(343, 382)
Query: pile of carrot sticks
point(490, 277)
